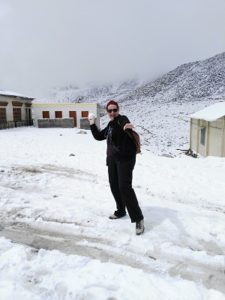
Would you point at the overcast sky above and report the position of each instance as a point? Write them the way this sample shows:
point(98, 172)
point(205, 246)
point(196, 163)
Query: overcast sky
point(46, 43)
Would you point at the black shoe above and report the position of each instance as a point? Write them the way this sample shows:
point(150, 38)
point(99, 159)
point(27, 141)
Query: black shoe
point(140, 228)
point(117, 215)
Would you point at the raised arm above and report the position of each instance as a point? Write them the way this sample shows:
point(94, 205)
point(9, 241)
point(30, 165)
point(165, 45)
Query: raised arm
point(99, 135)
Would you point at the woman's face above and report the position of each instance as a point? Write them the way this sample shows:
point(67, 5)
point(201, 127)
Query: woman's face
point(112, 111)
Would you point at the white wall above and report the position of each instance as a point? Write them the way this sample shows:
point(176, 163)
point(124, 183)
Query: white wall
point(38, 108)
point(216, 132)
point(193, 135)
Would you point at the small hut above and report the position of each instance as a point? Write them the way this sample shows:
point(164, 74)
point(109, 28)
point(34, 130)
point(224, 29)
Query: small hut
point(207, 131)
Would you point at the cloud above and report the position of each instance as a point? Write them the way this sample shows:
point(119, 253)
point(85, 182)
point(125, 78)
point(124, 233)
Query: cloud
point(55, 42)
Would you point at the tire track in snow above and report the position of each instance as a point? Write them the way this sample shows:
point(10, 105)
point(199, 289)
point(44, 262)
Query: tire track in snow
point(104, 250)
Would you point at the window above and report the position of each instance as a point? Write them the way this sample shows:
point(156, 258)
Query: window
point(3, 103)
point(17, 103)
point(84, 114)
point(45, 115)
point(202, 137)
point(2, 115)
point(58, 114)
point(17, 114)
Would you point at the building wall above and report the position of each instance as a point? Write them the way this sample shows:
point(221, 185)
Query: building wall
point(216, 132)
point(202, 148)
point(194, 135)
point(223, 137)
point(38, 108)
point(214, 137)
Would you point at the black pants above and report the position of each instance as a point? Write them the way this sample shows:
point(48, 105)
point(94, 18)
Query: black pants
point(120, 179)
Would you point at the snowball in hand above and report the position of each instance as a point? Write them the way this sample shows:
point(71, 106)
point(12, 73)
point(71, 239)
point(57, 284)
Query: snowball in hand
point(91, 118)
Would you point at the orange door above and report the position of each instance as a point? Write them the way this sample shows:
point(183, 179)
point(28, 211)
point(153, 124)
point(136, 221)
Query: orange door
point(73, 114)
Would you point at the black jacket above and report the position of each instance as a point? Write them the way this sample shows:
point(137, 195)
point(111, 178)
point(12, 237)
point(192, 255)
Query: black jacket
point(119, 144)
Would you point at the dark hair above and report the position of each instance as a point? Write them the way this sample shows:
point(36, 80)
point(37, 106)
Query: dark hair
point(112, 102)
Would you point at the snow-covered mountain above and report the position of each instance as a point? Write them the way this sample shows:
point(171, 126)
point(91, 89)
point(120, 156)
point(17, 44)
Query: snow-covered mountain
point(195, 80)
point(160, 109)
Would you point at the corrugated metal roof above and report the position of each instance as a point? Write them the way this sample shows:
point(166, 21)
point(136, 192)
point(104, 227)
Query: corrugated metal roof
point(210, 113)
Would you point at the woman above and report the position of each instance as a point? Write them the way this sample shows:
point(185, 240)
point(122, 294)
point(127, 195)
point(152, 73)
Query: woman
point(121, 158)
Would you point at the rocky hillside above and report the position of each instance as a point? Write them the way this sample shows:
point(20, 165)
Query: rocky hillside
point(195, 80)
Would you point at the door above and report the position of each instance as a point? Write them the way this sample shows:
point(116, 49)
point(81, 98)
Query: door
point(73, 114)
point(28, 116)
point(17, 116)
point(2, 115)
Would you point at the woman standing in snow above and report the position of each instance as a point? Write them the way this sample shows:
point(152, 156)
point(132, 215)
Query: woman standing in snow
point(121, 158)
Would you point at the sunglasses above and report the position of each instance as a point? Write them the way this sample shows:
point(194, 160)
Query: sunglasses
point(112, 110)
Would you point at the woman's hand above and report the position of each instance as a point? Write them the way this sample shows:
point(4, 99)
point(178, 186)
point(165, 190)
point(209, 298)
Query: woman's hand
point(128, 126)
point(91, 118)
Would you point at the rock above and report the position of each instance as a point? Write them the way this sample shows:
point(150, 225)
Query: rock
point(81, 132)
point(167, 155)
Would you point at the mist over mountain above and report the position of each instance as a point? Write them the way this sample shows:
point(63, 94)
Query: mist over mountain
point(95, 93)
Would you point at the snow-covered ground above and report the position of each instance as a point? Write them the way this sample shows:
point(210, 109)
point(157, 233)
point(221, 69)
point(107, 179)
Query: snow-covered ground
point(51, 199)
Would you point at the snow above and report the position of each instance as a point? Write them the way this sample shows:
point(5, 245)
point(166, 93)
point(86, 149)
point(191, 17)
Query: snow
point(29, 274)
point(51, 200)
point(211, 113)
point(9, 93)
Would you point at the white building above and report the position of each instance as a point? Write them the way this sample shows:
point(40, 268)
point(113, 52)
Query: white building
point(207, 131)
point(64, 114)
point(15, 110)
